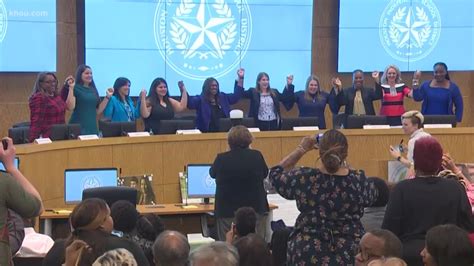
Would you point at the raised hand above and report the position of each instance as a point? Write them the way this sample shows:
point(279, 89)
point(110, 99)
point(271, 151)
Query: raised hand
point(289, 79)
point(70, 81)
point(241, 73)
point(181, 86)
point(109, 92)
point(376, 76)
point(143, 94)
point(336, 82)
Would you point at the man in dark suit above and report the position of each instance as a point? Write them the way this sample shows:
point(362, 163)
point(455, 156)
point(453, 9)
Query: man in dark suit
point(357, 99)
point(239, 175)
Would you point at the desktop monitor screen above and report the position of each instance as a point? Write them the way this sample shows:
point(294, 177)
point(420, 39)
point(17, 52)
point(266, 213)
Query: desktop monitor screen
point(358, 121)
point(16, 162)
point(225, 124)
point(289, 123)
point(65, 131)
point(76, 180)
point(200, 183)
point(116, 129)
point(170, 126)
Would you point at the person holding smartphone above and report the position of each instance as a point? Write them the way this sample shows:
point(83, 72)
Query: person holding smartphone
point(331, 201)
point(16, 193)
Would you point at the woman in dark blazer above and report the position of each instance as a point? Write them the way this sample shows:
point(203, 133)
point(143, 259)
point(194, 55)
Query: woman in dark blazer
point(239, 175)
point(264, 103)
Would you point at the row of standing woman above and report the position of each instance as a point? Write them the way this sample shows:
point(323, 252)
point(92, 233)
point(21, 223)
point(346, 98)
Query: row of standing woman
point(79, 94)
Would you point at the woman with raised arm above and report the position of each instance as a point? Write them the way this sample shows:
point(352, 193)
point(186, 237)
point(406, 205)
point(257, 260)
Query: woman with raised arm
point(120, 107)
point(331, 201)
point(312, 101)
point(265, 103)
point(158, 105)
point(393, 91)
point(440, 95)
point(47, 108)
point(81, 97)
point(213, 104)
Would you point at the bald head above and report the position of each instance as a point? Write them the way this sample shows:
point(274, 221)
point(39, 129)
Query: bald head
point(171, 248)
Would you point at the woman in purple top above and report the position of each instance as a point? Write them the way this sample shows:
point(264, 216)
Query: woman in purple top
point(312, 101)
point(440, 95)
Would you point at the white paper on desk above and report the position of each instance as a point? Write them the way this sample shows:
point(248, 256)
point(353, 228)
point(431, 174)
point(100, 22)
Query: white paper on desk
point(88, 137)
point(138, 134)
point(376, 126)
point(312, 128)
point(438, 126)
point(43, 141)
point(188, 131)
point(253, 129)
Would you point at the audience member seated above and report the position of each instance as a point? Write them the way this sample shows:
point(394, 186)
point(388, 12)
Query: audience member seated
point(34, 244)
point(16, 231)
point(171, 248)
point(331, 201)
point(149, 227)
point(279, 245)
point(378, 244)
point(245, 222)
point(447, 245)
point(418, 204)
point(373, 215)
point(17, 194)
point(125, 216)
point(388, 262)
point(253, 250)
point(214, 254)
point(116, 257)
point(92, 224)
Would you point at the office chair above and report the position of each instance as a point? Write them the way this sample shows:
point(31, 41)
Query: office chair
point(111, 194)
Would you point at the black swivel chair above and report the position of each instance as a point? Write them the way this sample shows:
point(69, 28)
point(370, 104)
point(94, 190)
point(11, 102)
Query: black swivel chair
point(111, 194)
point(19, 135)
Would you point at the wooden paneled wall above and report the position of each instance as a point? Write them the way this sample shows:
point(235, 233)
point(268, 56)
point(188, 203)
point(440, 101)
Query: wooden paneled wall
point(15, 88)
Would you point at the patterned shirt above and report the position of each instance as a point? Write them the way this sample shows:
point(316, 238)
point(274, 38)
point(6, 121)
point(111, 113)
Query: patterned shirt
point(45, 111)
point(392, 101)
point(328, 229)
point(266, 112)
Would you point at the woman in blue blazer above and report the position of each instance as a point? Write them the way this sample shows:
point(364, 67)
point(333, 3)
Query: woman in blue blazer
point(120, 107)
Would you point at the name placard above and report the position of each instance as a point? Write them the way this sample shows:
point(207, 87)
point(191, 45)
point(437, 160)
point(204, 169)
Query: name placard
point(88, 137)
point(43, 141)
point(438, 126)
point(138, 134)
point(188, 131)
point(308, 128)
point(254, 129)
point(376, 127)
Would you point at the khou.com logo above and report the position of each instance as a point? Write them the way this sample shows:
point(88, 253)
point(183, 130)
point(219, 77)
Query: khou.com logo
point(202, 39)
point(409, 29)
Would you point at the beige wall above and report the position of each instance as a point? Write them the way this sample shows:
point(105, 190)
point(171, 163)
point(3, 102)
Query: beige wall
point(16, 88)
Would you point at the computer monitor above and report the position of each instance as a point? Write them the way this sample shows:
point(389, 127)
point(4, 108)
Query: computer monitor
point(19, 135)
point(289, 123)
point(76, 180)
point(358, 121)
point(225, 124)
point(440, 119)
point(200, 184)
point(65, 131)
point(16, 162)
point(116, 129)
point(170, 126)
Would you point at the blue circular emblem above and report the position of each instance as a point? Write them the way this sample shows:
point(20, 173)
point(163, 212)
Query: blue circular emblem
point(90, 182)
point(202, 39)
point(410, 29)
point(3, 21)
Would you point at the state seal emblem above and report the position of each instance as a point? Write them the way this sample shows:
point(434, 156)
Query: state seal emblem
point(410, 29)
point(199, 39)
point(3, 21)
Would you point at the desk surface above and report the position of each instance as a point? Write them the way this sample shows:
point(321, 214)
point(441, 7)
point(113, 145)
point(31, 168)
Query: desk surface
point(164, 156)
point(160, 209)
